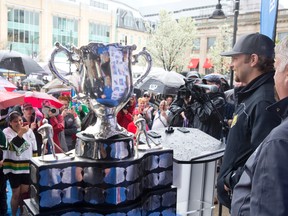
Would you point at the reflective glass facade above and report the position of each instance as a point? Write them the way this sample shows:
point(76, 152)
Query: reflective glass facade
point(99, 33)
point(65, 31)
point(23, 31)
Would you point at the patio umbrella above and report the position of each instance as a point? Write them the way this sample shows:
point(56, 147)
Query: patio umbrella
point(59, 91)
point(162, 83)
point(16, 61)
point(33, 81)
point(10, 73)
point(57, 83)
point(8, 99)
point(37, 98)
point(8, 86)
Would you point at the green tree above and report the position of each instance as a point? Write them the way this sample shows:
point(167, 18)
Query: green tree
point(223, 43)
point(171, 41)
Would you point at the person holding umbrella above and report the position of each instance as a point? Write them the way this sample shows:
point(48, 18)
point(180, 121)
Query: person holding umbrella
point(21, 147)
point(19, 85)
point(30, 118)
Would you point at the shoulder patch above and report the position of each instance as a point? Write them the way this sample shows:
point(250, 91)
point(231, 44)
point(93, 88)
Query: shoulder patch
point(234, 121)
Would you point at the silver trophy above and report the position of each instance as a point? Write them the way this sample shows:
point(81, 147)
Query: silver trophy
point(103, 80)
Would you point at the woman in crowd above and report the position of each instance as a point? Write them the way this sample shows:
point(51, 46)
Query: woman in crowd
point(149, 109)
point(29, 118)
point(17, 153)
point(131, 126)
point(124, 116)
point(144, 110)
point(161, 116)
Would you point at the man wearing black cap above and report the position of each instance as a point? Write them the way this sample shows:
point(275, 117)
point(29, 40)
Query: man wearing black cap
point(262, 188)
point(252, 62)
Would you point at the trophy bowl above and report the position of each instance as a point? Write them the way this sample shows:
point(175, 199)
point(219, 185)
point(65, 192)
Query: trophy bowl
point(103, 80)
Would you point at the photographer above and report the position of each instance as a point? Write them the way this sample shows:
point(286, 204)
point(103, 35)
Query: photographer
point(71, 124)
point(208, 107)
point(181, 114)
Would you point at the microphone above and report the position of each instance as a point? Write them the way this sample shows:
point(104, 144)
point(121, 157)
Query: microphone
point(170, 127)
point(211, 88)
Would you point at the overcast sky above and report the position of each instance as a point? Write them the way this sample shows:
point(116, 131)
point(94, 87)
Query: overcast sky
point(143, 3)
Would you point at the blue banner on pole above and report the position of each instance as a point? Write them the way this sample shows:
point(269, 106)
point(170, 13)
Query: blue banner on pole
point(268, 18)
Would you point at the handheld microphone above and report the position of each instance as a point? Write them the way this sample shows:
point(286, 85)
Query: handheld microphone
point(211, 88)
point(170, 127)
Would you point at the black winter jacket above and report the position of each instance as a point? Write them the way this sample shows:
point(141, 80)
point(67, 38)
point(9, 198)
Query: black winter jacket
point(251, 124)
point(209, 114)
point(262, 188)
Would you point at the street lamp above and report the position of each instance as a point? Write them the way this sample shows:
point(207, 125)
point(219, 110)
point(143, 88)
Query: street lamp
point(235, 28)
point(124, 41)
point(71, 42)
point(218, 13)
point(33, 40)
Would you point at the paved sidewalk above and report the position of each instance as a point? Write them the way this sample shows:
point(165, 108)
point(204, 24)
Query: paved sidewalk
point(225, 211)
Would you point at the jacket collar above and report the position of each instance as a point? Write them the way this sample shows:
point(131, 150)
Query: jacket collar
point(280, 107)
point(255, 84)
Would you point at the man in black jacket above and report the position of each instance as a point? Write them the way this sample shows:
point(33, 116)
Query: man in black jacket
point(209, 112)
point(252, 62)
point(262, 188)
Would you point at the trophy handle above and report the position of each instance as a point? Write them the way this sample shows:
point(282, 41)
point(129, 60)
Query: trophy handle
point(148, 58)
point(59, 48)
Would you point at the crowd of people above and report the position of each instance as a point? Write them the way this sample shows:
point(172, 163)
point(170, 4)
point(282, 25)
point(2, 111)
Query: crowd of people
point(247, 118)
point(20, 141)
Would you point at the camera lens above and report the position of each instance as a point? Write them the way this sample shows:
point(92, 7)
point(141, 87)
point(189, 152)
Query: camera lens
point(53, 110)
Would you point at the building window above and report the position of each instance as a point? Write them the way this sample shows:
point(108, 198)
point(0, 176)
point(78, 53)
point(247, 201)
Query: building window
point(282, 35)
point(23, 25)
point(97, 4)
point(210, 42)
point(99, 33)
point(129, 21)
point(65, 31)
point(196, 45)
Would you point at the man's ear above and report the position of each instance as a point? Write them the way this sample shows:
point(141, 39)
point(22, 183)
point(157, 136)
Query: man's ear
point(254, 58)
point(286, 69)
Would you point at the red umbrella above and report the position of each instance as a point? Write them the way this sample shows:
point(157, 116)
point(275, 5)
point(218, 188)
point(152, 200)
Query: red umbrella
point(37, 98)
point(8, 99)
point(8, 86)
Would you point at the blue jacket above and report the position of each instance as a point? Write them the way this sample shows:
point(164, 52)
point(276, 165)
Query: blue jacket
point(263, 186)
point(251, 124)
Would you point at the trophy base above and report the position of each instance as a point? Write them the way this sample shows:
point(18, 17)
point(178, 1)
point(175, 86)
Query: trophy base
point(145, 147)
point(59, 157)
point(118, 147)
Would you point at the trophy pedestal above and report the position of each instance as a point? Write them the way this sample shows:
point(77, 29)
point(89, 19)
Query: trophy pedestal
point(115, 148)
point(135, 186)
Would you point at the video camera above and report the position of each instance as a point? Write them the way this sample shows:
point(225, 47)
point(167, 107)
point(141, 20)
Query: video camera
point(191, 89)
point(54, 111)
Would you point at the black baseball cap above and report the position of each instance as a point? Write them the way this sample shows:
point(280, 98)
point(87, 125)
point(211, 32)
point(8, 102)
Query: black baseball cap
point(212, 78)
point(253, 44)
